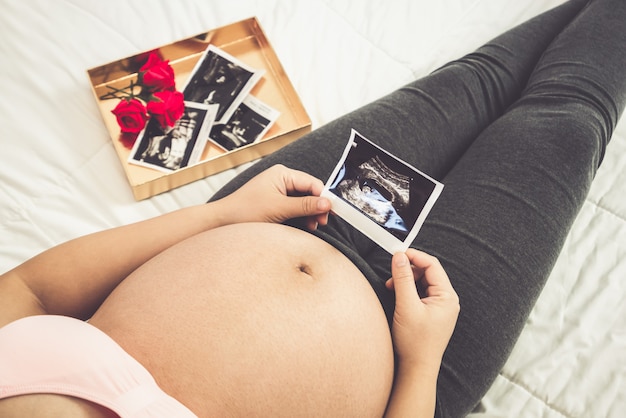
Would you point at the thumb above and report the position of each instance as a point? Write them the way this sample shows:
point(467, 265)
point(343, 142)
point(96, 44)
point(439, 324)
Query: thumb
point(306, 206)
point(403, 279)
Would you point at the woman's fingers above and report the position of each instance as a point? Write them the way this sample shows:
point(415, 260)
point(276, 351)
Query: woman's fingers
point(403, 279)
point(430, 271)
point(299, 182)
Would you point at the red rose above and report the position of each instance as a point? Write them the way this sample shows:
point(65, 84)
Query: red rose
point(139, 60)
point(169, 107)
point(131, 115)
point(156, 74)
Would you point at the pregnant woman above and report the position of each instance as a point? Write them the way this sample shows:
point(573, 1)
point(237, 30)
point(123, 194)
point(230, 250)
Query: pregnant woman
point(261, 304)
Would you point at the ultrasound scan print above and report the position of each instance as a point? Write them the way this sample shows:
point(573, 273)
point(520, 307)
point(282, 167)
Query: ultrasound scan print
point(379, 192)
point(382, 187)
point(381, 195)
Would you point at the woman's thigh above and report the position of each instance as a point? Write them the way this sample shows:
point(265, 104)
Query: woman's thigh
point(509, 202)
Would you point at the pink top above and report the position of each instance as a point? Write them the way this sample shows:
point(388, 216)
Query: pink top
point(66, 356)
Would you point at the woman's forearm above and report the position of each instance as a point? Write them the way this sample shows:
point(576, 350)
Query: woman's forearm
point(414, 393)
point(75, 277)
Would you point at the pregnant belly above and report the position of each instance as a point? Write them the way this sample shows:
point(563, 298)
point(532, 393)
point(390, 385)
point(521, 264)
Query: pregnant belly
point(256, 319)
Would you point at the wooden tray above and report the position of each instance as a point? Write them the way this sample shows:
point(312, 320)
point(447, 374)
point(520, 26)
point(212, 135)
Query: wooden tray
point(244, 40)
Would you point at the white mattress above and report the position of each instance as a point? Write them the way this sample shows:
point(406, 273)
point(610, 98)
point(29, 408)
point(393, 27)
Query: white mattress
point(60, 176)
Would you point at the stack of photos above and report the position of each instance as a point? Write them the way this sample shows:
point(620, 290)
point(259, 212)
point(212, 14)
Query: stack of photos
point(380, 195)
point(218, 108)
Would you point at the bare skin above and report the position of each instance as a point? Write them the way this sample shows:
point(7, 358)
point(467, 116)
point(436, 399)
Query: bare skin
point(234, 314)
point(249, 324)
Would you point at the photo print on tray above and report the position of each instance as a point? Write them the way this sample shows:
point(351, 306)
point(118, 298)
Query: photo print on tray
point(177, 147)
point(219, 78)
point(379, 194)
point(248, 124)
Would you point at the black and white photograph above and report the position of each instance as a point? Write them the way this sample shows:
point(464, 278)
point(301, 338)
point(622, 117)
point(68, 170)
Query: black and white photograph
point(176, 147)
point(219, 78)
point(248, 124)
point(381, 195)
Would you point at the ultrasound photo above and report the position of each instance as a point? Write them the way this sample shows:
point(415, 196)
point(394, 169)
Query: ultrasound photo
point(176, 147)
point(248, 124)
point(221, 79)
point(382, 188)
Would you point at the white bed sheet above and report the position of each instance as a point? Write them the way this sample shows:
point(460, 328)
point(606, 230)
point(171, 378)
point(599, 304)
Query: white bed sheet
point(60, 176)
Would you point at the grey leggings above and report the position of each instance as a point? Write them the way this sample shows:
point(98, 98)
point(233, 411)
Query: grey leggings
point(516, 131)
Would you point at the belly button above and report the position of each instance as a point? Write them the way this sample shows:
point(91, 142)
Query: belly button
point(303, 268)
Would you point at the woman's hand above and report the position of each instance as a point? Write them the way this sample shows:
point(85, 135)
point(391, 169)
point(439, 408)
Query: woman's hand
point(276, 195)
point(421, 329)
point(422, 326)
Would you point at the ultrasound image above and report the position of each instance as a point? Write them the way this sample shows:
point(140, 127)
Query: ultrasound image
point(381, 187)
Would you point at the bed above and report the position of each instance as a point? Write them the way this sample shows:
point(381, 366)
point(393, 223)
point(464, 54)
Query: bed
point(60, 176)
